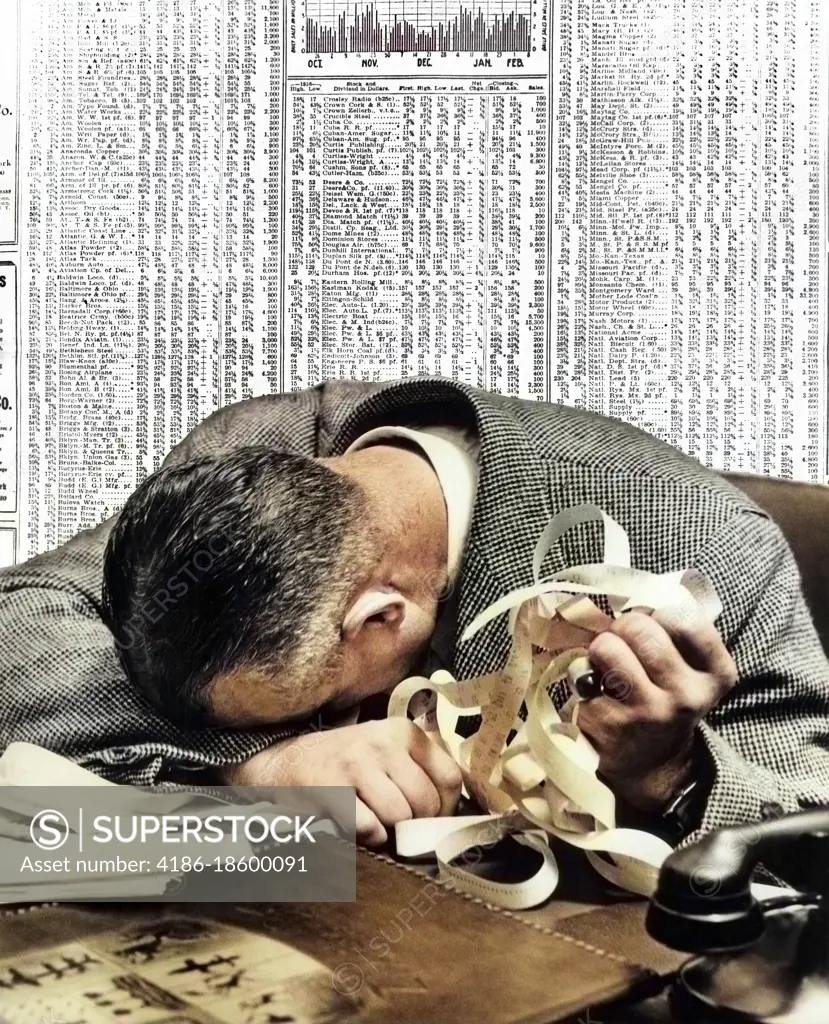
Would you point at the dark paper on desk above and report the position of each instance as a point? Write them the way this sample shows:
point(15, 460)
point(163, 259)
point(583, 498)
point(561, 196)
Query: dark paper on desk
point(408, 952)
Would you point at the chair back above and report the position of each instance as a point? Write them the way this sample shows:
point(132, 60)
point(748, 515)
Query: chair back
point(801, 510)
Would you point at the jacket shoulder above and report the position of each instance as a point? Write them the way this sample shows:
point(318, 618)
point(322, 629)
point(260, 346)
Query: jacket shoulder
point(605, 445)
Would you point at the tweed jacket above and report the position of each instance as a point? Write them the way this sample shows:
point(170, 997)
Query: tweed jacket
point(61, 684)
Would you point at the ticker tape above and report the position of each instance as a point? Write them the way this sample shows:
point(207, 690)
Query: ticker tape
point(544, 781)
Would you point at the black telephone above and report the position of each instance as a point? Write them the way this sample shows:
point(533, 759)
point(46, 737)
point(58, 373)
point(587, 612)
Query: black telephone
point(756, 961)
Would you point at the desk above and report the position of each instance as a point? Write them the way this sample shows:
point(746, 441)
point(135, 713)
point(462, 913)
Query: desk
point(424, 967)
point(648, 1011)
point(586, 910)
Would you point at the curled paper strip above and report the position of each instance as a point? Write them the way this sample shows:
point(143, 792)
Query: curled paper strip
point(544, 781)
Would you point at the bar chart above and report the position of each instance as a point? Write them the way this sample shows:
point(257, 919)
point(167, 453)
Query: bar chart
point(418, 26)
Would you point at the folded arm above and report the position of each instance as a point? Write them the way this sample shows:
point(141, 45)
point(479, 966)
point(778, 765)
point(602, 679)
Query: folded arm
point(61, 683)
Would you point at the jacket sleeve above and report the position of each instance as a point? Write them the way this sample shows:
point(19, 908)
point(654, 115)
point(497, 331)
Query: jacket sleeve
point(768, 741)
point(61, 683)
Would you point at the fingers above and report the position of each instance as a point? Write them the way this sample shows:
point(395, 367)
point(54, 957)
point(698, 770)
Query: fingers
point(370, 831)
point(602, 722)
point(396, 771)
point(418, 789)
point(670, 646)
point(400, 748)
point(384, 798)
point(701, 645)
point(630, 698)
point(441, 769)
point(652, 648)
point(622, 673)
point(665, 663)
point(404, 790)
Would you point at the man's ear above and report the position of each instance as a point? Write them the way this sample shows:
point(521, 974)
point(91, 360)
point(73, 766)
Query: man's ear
point(374, 606)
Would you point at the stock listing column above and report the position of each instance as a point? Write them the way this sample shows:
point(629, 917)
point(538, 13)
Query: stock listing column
point(302, 237)
point(179, 173)
point(516, 259)
point(248, 198)
point(348, 277)
point(33, 316)
point(793, 99)
point(417, 224)
point(467, 237)
point(79, 94)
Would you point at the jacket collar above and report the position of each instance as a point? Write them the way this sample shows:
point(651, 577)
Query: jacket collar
point(512, 503)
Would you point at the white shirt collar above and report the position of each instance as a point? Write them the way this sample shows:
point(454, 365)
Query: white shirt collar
point(453, 455)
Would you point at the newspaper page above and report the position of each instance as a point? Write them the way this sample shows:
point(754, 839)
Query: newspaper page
point(613, 204)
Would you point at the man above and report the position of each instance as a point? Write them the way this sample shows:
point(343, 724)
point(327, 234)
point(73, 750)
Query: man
point(292, 556)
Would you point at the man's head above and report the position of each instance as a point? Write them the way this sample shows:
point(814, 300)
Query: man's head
point(259, 586)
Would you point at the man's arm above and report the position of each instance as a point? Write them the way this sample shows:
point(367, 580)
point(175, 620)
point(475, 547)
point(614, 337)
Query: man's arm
point(768, 741)
point(61, 684)
point(741, 711)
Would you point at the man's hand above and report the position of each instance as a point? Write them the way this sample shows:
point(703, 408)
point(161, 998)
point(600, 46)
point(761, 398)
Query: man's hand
point(662, 674)
point(396, 769)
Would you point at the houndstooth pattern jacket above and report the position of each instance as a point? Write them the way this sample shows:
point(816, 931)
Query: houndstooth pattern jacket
point(61, 685)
